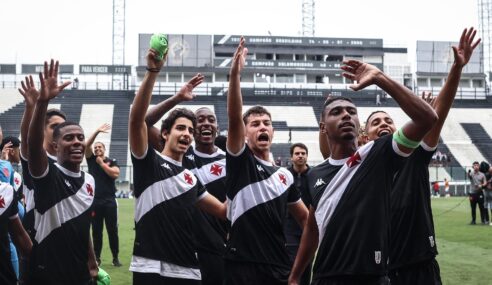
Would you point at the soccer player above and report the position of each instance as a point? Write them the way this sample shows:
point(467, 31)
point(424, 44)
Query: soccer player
point(413, 246)
point(10, 223)
point(207, 162)
point(166, 193)
point(105, 170)
point(258, 193)
point(350, 213)
point(63, 196)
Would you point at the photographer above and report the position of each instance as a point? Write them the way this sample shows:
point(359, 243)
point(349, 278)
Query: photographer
point(478, 182)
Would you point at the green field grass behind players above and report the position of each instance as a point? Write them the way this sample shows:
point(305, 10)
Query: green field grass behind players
point(465, 251)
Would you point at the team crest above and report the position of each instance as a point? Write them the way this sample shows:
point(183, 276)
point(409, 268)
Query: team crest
point(188, 178)
point(377, 257)
point(283, 179)
point(216, 169)
point(90, 191)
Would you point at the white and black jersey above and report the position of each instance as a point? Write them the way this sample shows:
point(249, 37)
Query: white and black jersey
point(63, 202)
point(165, 198)
point(412, 228)
point(257, 195)
point(28, 193)
point(351, 201)
point(210, 169)
point(8, 211)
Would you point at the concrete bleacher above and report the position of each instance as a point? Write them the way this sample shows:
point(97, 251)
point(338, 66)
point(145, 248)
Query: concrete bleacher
point(9, 98)
point(299, 115)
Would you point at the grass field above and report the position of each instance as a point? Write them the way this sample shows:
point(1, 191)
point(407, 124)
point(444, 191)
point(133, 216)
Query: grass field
point(465, 252)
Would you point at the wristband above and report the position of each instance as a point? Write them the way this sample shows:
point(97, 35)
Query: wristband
point(400, 138)
point(156, 70)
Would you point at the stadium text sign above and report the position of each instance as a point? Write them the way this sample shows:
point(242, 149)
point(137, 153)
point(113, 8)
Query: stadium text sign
point(105, 69)
point(37, 68)
point(7, 69)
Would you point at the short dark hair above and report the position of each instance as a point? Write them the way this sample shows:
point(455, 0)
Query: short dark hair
point(370, 115)
point(168, 123)
point(330, 100)
point(104, 146)
point(255, 110)
point(54, 112)
point(15, 141)
point(301, 145)
point(475, 162)
point(57, 130)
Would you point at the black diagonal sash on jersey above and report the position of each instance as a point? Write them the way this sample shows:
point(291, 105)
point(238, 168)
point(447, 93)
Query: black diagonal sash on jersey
point(335, 189)
point(257, 193)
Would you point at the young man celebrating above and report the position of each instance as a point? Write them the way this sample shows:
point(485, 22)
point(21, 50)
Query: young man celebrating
point(166, 193)
point(349, 216)
point(105, 170)
point(207, 162)
point(257, 193)
point(63, 196)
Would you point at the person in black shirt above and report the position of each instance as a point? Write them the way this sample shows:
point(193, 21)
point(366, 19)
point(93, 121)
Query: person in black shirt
point(349, 215)
point(258, 192)
point(62, 251)
point(166, 193)
point(413, 245)
point(105, 171)
point(292, 230)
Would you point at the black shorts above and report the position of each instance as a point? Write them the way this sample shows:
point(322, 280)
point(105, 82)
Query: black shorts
point(211, 267)
point(156, 279)
point(250, 273)
point(424, 273)
point(353, 280)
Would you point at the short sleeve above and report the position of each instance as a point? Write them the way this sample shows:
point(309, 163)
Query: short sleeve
point(294, 195)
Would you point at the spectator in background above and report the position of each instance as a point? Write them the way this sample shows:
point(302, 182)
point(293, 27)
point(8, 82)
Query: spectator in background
point(378, 100)
point(478, 181)
point(436, 189)
point(105, 170)
point(446, 187)
point(293, 232)
point(488, 192)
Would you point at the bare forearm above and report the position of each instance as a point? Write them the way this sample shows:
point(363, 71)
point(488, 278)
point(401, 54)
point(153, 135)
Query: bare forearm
point(307, 249)
point(155, 114)
point(142, 100)
point(88, 144)
point(20, 237)
point(112, 172)
point(26, 120)
point(418, 110)
point(35, 138)
point(443, 104)
point(234, 112)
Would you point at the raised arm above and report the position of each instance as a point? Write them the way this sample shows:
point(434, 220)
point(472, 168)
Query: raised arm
point(104, 128)
point(38, 160)
point(422, 116)
point(30, 95)
point(235, 137)
point(443, 102)
point(137, 128)
point(155, 113)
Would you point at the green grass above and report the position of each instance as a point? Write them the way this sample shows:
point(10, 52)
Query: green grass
point(465, 252)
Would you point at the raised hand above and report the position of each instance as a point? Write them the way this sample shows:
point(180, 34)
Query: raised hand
point(104, 128)
point(429, 98)
point(153, 64)
point(49, 81)
point(239, 60)
point(29, 91)
point(186, 92)
point(6, 151)
point(464, 50)
point(362, 74)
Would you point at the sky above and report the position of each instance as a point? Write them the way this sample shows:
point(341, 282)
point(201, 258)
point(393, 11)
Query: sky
point(80, 32)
